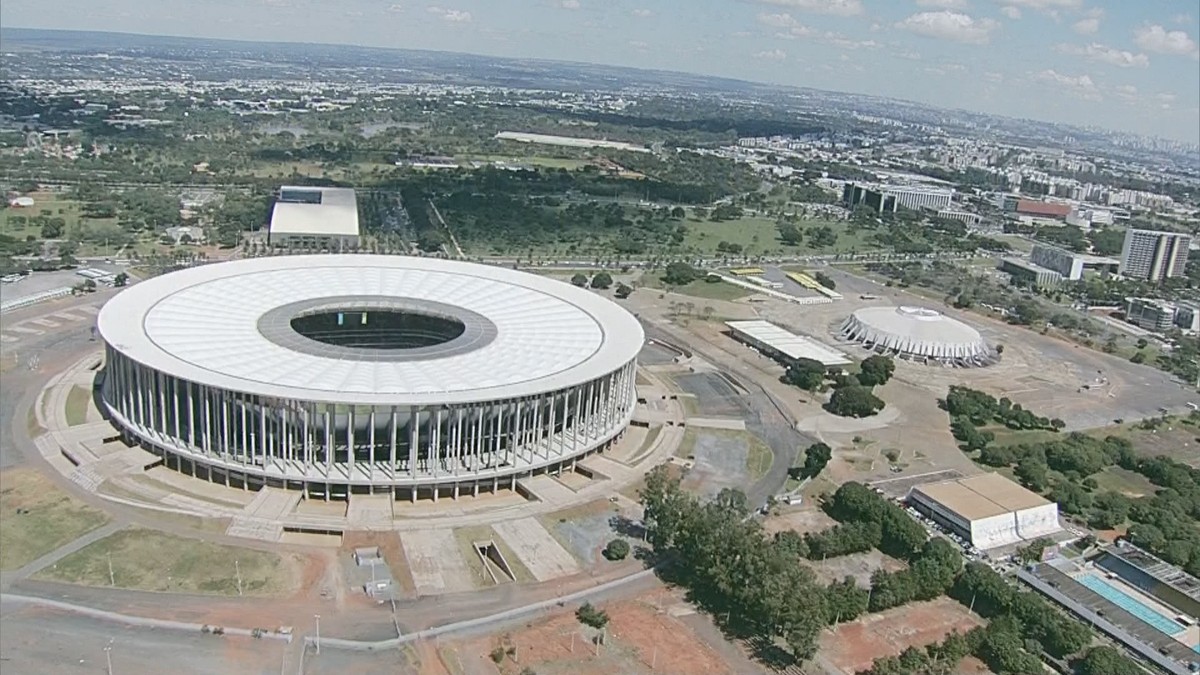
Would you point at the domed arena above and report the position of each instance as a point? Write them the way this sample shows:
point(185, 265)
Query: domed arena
point(918, 334)
point(335, 374)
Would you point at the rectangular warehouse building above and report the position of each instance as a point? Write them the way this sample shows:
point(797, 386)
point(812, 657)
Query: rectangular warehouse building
point(314, 218)
point(988, 510)
point(783, 345)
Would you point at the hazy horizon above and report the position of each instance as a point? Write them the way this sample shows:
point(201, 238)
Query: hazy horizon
point(1132, 67)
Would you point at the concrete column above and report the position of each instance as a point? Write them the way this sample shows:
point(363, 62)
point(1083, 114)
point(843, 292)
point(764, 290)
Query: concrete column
point(350, 441)
point(371, 441)
point(191, 411)
point(414, 438)
point(435, 452)
point(328, 448)
point(392, 453)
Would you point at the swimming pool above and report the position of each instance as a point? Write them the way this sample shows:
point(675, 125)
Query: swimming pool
point(1116, 596)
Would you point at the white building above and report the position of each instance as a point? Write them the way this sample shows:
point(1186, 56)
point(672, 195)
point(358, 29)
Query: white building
point(1069, 264)
point(1153, 255)
point(782, 344)
point(314, 218)
point(988, 510)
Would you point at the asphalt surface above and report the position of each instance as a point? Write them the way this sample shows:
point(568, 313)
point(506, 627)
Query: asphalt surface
point(728, 394)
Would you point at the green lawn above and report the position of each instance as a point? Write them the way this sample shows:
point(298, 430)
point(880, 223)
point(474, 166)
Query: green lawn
point(758, 461)
point(710, 290)
point(759, 235)
point(154, 561)
point(1124, 481)
point(77, 405)
point(36, 517)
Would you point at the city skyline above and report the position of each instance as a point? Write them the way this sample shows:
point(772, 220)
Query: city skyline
point(1115, 65)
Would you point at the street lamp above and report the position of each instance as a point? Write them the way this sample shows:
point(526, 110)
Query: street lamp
point(108, 655)
point(318, 618)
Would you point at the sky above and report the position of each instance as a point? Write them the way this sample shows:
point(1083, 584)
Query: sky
point(1129, 65)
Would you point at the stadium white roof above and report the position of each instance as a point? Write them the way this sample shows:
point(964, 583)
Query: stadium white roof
point(917, 331)
point(206, 324)
point(787, 343)
point(335, 214)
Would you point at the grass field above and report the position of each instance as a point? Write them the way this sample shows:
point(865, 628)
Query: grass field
point(154, 561)
point(77, 405)
point(568, 163)
point(758, 462)
point(36, 517)
point(760, 235)
point(47, 204)
point(708, 290)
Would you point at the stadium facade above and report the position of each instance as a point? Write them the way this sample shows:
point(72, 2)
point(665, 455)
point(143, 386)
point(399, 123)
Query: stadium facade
point(341, 374)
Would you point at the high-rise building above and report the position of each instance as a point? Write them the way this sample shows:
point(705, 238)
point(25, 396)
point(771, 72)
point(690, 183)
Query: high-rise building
point(888, 198)
point(1154, 256)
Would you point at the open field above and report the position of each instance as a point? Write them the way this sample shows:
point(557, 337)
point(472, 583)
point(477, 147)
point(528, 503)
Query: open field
point(642, 637)
point(700, 288)
point(759, 235)
point(858, 565)
point(154, 561)
point(853, 646)
point(36, 517)
point(77, 404)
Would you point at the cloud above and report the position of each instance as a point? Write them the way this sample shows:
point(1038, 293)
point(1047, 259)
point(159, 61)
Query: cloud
point(1158, 39)
point(1090, 23)
point(1109, 55)
point(1011, 12)
point(1182, 19)
point(569, 4)
point(953, 26)
point(1081, 85)
point(771, 55)
point(642, 13)
point(943, 4)
point(834, 7)
point(791, 29)
point(1046, 6)
point(451, 15)
point(396, 8)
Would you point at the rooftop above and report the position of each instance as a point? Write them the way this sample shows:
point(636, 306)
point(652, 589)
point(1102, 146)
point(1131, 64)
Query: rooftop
point(981, 496)
point(787, 343)
point(320, 211)
point(231, 325)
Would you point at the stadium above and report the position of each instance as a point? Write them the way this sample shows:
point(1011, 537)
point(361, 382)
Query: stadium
point(367, 374)
point(918, 334)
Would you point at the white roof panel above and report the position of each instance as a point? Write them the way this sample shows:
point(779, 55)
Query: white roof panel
point(785, 342)
point(202, 324)
point(336, 215)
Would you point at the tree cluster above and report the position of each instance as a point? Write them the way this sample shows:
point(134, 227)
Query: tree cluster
point(733, 570)
point(980, 408)
point(853, 400)
point(876, 370)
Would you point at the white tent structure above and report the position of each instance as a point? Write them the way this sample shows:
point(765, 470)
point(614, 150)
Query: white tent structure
point(918, 334)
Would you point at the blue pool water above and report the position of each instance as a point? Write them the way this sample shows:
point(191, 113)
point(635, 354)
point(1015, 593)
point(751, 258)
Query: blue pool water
point(1130, 604)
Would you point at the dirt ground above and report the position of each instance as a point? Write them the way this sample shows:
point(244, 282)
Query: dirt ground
point(389, 548)
point(642, 637)
point(802, 520)
point(854, 646)
point(858, 565)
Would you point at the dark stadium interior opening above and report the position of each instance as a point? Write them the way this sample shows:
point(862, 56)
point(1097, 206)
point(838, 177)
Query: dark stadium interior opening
point(377, 328)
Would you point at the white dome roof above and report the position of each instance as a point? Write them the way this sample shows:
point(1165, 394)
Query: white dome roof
point(919, 333)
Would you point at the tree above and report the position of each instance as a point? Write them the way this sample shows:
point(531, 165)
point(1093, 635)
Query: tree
point(853, 401)
point(790, 235)
point(1033, 551)
point(590, 616)
point(1105, 660)
point(120, 280)
point(602, 280)
point(824, 280)
point(816, 456)
point(579, 280)
point(617, 549)
point(876, 370)
point(680, 274)
point(808, 374)
point(678, 213)
point(623, 291)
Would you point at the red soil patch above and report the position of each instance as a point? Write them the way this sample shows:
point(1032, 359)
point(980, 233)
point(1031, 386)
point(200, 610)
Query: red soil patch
point(390, 549)
point(854, 646)
point(640, 634)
